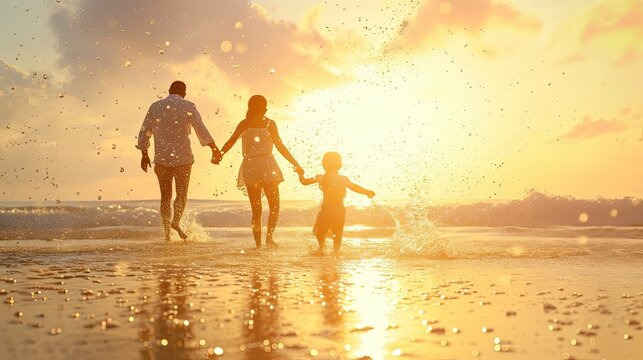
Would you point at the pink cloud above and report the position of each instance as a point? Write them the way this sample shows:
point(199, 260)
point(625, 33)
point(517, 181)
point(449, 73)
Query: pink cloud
point(590, 128)
point(606, 22)
point(437, 17)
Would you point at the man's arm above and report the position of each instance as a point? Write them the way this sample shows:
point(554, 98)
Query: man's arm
point(144, 139)
point(205, 139)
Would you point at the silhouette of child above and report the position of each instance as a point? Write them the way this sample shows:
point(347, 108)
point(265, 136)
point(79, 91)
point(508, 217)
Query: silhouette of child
point(332, 215)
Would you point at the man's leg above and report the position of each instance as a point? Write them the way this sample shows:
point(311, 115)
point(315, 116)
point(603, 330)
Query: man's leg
point(164, 175)
point(182, 179)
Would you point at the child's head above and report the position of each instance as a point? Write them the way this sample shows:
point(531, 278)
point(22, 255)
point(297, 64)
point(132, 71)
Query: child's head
point(332, 161)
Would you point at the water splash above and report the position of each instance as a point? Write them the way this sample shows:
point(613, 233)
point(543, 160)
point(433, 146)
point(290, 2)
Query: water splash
point(195, 231)
point(414, 233)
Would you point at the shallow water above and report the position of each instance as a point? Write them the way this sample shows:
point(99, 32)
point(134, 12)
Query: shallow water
point(96, 281)
point(497, 294)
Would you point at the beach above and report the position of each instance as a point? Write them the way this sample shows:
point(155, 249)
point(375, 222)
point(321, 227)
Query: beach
point(491, 293)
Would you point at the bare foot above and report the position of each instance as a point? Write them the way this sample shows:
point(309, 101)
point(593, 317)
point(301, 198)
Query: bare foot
point(272, 244)
point(182, 235)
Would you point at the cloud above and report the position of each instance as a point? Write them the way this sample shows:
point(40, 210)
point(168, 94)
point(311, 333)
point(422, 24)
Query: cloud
point(590, 128)
point(437, 18)
point(11, 76)
point(102, 42)
point(615, 17)
point(613, 29)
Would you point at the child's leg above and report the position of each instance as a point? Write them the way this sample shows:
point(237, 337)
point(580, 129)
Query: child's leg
point(337, 238)
point(338, 230)
point(321, 240)
point(321, 229)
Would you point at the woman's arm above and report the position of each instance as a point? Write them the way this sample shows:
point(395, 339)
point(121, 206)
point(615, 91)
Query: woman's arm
point(358, 189)
point(234, 137)
point(274, 133)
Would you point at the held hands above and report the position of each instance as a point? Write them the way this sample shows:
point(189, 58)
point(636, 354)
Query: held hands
point(217, 156)
point(145, 162)
point(370, 194)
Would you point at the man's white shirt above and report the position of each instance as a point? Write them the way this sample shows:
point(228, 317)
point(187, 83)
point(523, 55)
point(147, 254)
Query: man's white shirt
point(170, 121)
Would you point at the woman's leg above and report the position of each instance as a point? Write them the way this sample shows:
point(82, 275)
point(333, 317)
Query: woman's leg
point(272, 193)
point(254, 194)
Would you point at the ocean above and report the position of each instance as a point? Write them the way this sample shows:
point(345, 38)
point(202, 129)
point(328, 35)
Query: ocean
point(413, 280)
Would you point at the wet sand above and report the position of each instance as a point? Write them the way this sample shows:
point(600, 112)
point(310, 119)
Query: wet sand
point(150, 300)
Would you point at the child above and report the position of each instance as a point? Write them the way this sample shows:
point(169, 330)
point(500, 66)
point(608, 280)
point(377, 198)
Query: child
point(333, 185)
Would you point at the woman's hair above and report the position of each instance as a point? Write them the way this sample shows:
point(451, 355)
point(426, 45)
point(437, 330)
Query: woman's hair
point(332, 161)
point(256, 106)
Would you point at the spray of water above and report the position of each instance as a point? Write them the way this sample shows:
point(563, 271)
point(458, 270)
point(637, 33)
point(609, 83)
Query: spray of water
point(196, 232)
point(415, 234)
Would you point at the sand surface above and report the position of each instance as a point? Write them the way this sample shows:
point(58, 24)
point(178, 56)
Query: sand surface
point(106, 299)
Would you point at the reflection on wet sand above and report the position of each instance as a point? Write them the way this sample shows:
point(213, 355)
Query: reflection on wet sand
point(332, 294)
point(261, 325)
point(372, 302)
point(168, 332)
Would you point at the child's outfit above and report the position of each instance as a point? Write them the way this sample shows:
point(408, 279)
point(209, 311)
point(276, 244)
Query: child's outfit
point(332, 215)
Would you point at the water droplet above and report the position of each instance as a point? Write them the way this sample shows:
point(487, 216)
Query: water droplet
point(45, 77)
point(614, 213)
point(123, 170)
point(272, 70)
point(128, 63)
point(218, 351)
point(161, 52)
point(226, 46)
point(241, 48)
point(583, 218)
point(113, 146)
point(164, 342)
point(61, 95)
point(238, 25)
point(167, 43)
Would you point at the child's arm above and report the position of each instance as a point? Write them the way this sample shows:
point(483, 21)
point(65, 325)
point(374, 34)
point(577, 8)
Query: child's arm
point(307, 181)
point(358, 189)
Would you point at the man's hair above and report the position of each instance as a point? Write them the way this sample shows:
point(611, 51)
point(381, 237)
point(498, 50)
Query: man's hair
point(178, 87)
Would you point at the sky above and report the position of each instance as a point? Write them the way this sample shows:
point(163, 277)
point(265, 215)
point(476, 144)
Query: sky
point(449, 100)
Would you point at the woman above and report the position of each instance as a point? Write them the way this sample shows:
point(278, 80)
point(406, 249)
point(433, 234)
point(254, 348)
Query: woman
point(259, 170)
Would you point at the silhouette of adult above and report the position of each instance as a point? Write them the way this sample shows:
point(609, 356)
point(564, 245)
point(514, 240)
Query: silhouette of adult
point(169, 120)
point(259, 170)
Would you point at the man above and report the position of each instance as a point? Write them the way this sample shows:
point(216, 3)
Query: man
point(169, 120)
